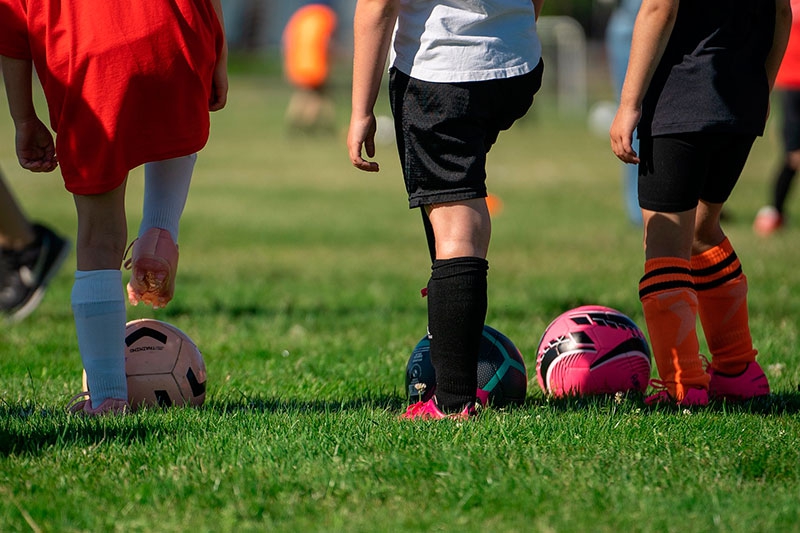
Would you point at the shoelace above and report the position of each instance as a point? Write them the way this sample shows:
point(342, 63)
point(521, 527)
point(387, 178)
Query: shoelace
point(79, 399)
point(660, 385)
point(128, 261)
point(660, 391)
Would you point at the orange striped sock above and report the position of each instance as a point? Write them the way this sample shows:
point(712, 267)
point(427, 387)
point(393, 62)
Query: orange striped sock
point(670, 310)
point(722, 296)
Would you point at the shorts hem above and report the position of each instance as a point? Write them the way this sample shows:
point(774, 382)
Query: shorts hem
point(82, 188)
point(443, 198)
point(662, 208)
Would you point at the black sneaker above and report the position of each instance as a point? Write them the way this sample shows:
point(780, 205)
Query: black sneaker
point(24, 274)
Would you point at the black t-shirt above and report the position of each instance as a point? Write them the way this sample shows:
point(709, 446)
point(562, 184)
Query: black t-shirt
point(712, 75)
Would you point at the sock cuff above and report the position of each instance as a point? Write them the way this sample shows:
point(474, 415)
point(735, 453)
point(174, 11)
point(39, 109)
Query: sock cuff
point(716, 267)
point(95, 286)
point(446, 268)
point(664, 274)
point(713, 256)
point(106, 384)
point(659, 263)
point(163, 219)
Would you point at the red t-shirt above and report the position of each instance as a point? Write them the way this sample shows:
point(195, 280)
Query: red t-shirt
point(789, 72)
point(126, 83)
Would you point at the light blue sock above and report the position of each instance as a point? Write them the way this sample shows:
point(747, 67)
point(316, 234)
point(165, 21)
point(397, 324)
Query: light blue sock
point(166, 188)
point(98, 304)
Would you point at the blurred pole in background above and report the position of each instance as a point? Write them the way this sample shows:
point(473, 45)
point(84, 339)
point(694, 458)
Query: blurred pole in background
point(243, 22)
point(257, 25)
point(619, 32)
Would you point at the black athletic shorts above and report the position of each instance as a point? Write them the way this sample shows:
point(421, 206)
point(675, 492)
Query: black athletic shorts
point(677, 171)
point(444, 131)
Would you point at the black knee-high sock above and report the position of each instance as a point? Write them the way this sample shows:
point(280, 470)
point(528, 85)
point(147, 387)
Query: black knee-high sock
point(457, 305)
point(782, 185)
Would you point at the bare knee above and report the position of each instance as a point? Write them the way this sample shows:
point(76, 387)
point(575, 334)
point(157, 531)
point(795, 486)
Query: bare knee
point(462, 229)
point(102, 230)
point(100, 248)
point(708, 230)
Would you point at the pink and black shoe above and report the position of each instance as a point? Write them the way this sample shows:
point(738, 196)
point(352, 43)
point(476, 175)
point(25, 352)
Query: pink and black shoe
point(81, 404)
point(749, 383)
point(154, 263)
point(429, 410)
point(693, 398)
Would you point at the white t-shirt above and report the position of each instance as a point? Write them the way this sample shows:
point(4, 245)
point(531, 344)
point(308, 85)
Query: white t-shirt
point(465, 40)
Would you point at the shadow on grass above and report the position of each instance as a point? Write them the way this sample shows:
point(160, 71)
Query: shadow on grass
point(387, 402)
point(781, 403)
point(777, 404)
point(28, 429)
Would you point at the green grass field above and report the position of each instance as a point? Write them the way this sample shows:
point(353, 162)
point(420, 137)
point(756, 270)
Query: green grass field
point(299, 280)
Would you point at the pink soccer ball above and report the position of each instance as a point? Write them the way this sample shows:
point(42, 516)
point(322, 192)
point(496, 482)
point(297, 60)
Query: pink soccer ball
point(592, 350)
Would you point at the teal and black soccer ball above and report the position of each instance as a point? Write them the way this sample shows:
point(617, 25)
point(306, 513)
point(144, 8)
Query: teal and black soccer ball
point(502, 376)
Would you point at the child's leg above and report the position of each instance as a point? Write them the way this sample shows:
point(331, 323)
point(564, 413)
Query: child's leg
point(456, 312)
point(30, 255)
point(166, 188)
point(722, 295)
point(98, 304)
point(16, 232)
point(670, 310)
point(790, 132)
point(97, 299)
point(782, 185)
point(457, 299)
point(154, 259)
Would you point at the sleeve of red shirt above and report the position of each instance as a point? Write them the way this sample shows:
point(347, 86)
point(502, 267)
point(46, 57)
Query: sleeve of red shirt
point(14, 30)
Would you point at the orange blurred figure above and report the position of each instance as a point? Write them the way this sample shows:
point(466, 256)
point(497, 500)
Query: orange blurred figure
point(306, 53)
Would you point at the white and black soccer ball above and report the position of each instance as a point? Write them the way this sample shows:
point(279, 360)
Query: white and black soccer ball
point(164, 367)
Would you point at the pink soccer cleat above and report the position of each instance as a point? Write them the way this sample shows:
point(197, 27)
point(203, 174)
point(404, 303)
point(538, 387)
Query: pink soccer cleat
point(750, 383)
point(693, 397)
point(81, 404)
point(154, 262)
point(430, 411)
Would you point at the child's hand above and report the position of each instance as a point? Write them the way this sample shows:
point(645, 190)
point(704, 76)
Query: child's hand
point(36, 150)
point(219, 86)
point(362, 135)
point(621, 134)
